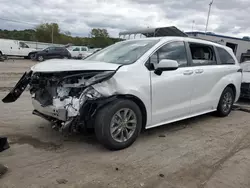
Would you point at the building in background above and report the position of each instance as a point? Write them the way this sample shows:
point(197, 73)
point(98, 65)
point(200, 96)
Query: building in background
point(240, 46)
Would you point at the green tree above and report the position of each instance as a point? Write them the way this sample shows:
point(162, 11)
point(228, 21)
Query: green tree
point(96, 32)
point(45, 32)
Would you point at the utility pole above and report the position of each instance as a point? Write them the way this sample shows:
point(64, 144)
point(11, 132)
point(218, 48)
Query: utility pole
point(193, 25)
point(52, 34)
point(208, 15)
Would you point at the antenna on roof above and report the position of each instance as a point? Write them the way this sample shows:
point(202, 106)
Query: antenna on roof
point(208, 15)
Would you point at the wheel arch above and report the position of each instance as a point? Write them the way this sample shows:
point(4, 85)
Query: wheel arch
point(140, 104)
point(232, 86)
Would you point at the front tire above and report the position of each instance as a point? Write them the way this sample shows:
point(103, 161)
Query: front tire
point(118, 124)
point(226, 102)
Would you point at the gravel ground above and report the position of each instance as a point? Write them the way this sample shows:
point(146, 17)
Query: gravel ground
point(201, 152)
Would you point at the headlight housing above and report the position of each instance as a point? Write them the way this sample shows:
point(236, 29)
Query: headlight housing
point(92, 94)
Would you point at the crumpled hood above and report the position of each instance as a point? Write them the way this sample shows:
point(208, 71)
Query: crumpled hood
point(57, 65)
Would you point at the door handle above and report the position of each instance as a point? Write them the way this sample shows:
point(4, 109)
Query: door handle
point(188, 72)
point(199, 71)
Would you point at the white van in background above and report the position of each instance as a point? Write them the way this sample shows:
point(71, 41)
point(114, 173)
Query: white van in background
point(14, 48)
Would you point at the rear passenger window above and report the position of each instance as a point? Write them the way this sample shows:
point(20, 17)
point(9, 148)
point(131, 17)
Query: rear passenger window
point(225, 57)
point(202, 54)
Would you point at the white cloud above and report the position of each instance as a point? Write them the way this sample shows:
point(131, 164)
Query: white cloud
point(79, 16)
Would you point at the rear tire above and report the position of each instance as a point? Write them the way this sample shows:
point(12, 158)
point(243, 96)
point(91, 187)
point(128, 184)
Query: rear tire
point(40, 58)
point(226, 102)
point(118, 124)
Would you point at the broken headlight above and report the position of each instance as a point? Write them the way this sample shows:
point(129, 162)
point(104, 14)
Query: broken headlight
point(93, 94)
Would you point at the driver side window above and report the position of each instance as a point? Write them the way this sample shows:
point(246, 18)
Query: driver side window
point(174, 51)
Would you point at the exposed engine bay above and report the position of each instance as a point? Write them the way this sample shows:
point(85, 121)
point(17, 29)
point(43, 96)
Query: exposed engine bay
point(62, 97)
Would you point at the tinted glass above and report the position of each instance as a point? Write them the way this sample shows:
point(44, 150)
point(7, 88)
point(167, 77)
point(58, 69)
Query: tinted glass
point(174, 51)
point(225, 57)
point(202, 54)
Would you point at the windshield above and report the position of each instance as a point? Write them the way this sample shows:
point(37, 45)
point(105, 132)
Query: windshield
point(126, 52)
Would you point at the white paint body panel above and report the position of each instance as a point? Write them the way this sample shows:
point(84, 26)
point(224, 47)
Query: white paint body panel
point(246, 71)
point(12, 48)
point(56, 65)
point(169, 97)
point(246, 77)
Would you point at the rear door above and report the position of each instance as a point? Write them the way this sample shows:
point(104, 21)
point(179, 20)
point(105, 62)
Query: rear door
point(208, 75)
point(51, 53)
point(59, 52)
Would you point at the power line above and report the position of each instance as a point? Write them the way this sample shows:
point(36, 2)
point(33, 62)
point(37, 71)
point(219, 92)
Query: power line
point(17, 21)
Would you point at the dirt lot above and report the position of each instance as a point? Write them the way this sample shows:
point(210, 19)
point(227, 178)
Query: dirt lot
point(205, 151)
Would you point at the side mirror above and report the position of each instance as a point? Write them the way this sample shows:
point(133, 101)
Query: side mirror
point(166, 65)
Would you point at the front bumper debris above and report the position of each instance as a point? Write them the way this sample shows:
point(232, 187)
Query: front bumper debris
point(52, 111)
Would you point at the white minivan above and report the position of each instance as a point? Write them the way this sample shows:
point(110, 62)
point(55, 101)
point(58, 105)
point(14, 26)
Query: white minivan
point(134, 85)
point(14, 48)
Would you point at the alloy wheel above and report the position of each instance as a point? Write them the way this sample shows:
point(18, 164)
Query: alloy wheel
point(123, 125)
point(227, 102)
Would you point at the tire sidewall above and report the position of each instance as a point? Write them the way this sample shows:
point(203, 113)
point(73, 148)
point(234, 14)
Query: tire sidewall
point(105, 121)
point(220, 108)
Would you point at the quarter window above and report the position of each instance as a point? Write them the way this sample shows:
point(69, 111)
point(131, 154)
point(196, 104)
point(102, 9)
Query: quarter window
point(174, 51)
point(202, 54)
point(225, 57)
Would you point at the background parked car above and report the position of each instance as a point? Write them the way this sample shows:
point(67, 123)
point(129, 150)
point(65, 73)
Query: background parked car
point(81, 52)
point(51, 53)
point(78, 52)
point(245, 85)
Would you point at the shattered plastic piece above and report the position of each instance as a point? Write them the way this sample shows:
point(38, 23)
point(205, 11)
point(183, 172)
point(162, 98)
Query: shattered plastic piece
point(161, 175)
point(3, 144)
point(3, 170)
point(62, 181)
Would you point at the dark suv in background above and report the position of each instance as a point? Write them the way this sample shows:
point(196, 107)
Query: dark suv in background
point(51, 53)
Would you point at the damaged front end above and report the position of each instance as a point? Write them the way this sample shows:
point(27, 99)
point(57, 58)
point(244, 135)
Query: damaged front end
point(67, 99)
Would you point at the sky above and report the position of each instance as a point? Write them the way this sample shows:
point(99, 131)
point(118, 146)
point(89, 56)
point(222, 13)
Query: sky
point(228, 17)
